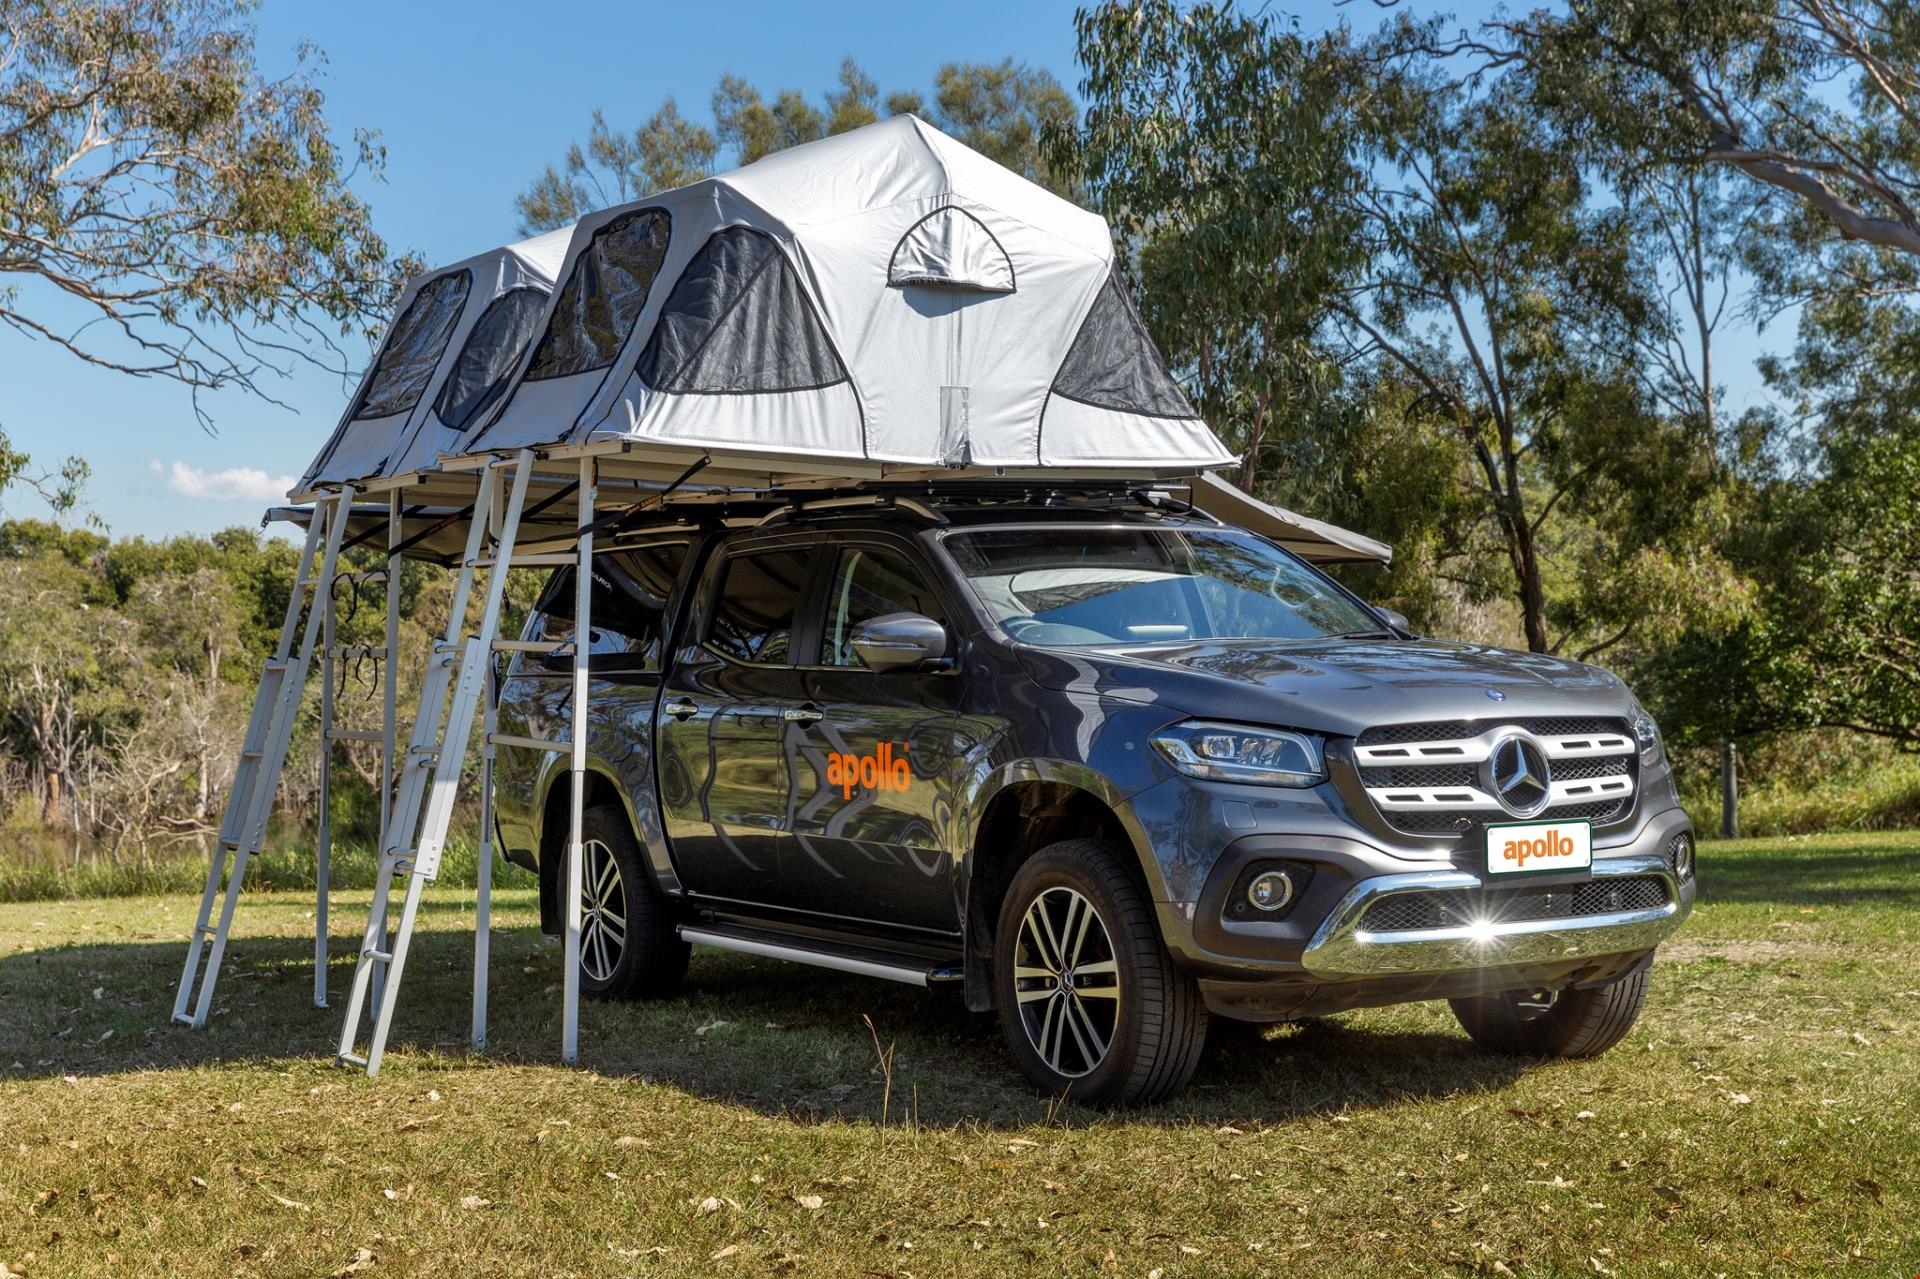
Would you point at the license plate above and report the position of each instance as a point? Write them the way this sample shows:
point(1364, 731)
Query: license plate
point(1538, 848)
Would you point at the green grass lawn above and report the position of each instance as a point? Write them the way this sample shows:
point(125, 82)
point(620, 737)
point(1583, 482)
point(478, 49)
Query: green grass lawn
point(1760, 1120)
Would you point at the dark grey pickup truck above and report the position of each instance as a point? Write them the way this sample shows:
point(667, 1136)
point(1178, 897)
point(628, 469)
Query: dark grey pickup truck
point(1108, 766)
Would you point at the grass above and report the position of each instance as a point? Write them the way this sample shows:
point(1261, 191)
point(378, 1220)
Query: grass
point(1761, 1120)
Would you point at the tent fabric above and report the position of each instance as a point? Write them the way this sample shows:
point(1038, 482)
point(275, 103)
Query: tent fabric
point(1113, 364)
point(1312, 540)
point(394, 423)
point(898, 239)
point(738, 322)
point(606, 287)
point(500, 337)
point(952, 248)
point(413, 351)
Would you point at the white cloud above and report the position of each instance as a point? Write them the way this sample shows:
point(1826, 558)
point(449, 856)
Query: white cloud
point(235, 484)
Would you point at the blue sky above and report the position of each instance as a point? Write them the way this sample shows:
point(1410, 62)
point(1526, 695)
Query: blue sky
point(473, 100)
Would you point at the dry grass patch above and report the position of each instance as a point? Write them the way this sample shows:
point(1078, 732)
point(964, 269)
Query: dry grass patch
point(1761, 1120)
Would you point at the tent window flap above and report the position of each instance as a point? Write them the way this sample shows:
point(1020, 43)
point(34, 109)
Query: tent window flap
point(1113, 364)
point(413, 349)
point(494, 347)
point(738, 323)
point(603, 296)
point(950, 248)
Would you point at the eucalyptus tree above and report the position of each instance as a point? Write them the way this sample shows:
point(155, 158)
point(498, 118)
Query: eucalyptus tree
point(168, 211)
point(1217, 145)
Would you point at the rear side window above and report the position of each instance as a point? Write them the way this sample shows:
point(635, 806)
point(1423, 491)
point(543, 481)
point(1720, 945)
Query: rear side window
point(631, 590)
point(754, 607)
point(414, 346)
point(870, 582)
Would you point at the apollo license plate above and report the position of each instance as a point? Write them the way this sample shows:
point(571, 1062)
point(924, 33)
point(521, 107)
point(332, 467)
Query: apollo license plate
point(1538, 848)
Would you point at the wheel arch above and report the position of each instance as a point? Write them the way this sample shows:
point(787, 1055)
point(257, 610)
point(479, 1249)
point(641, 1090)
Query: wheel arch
point(556, 795)
point(1029, 805)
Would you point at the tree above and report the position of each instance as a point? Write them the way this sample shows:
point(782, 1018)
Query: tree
point(1217, 146)
point(166, 211)
point(1814, 100)
point(613, 168)
point(1002, 109)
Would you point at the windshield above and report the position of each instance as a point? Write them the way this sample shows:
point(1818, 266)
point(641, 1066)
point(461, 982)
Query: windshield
point(1073, 587)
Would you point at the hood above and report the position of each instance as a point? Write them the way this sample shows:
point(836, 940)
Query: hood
point(1339, 687)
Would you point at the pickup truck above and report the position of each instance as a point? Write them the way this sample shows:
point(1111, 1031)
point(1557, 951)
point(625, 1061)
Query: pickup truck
point(1110, 767)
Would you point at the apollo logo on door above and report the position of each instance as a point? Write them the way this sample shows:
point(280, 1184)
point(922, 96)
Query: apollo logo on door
point(884, 770)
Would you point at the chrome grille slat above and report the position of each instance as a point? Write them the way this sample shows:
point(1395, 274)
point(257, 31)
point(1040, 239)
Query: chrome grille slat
point(1425, 778)
point(1417, 911)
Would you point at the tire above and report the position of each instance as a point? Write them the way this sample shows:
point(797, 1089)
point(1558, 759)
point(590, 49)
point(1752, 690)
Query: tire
point(1568, 1023)
point(628, 946)
point(1154, 1021)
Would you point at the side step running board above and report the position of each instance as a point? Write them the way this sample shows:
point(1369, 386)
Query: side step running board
point(911, 974)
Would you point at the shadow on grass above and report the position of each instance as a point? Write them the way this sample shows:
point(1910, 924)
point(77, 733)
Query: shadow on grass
point(1823, 878)
point(782, 1040)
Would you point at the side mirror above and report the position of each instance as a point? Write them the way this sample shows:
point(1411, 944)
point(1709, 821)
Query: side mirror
point(897, 641)
point(1398, 621)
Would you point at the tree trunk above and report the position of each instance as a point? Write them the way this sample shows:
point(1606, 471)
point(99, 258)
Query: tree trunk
point(1729, 790)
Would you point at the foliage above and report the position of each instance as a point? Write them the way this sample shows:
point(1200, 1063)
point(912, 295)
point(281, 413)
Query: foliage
point(165, 210)
point(1001, 109)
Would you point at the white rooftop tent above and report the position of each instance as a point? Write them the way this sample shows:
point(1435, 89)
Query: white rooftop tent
point(457, 337)
point(884, 296)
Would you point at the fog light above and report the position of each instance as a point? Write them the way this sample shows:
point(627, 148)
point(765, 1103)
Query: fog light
point(1682, 850)
point(1270, 890)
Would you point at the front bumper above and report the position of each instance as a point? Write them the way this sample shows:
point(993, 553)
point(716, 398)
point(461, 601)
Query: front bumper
point(1342, 948)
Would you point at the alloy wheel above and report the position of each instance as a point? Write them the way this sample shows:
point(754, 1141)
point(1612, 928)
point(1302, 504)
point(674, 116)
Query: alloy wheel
point(603, 903)
point(1067, 981)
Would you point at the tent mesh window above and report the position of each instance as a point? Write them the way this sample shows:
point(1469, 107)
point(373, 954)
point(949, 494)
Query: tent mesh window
point(738, 323)
point(498, 340)
point(413, 349)
point(1113, 364)
point(603, 296)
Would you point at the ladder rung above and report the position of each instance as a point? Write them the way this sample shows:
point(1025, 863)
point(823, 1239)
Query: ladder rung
point(530, 646)
point(355, 735)
point(207, 930)
point(384, 956)
point(358, 650)
point(256, 753)
point(529, 743)
point(424, 752)
point(278, 663)
point(447, 648)
point(351, 1059)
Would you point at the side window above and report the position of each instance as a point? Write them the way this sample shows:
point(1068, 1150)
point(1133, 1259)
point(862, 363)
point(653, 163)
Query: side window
point(754, 607)
point(630, 594)
point(870, 582)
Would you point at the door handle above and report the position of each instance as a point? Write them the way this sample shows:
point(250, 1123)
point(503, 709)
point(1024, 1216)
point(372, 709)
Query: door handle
point(807, 714)
point(681, 709)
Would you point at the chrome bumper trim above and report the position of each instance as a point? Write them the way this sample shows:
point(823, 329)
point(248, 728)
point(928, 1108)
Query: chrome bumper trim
point(1341, 949)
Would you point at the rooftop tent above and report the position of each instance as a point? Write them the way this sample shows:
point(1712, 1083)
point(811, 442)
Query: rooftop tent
point(458, 333)
point(886, 295)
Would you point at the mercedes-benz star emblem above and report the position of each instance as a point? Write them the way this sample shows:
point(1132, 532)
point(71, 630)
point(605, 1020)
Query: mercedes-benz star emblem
point(1518, 775)
point(1495, 695)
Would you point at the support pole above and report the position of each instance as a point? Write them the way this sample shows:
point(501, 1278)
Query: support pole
point(323, 838)
point(1729, 789)
point(582, 644)
point(483, 874)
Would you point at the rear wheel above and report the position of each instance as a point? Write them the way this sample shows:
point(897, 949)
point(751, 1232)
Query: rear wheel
point(628, 946)
point(1554, 1023)
point(1089, 1001)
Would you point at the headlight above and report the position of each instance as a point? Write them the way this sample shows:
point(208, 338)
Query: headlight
point(1237, 753)
point(1647, 733)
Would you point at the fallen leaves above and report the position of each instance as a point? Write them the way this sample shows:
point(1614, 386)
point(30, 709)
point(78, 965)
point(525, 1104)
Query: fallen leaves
point(363, 1260)
point(812, 1203)
point(471, 1202)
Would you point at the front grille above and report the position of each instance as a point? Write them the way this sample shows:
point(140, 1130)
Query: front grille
point(1426, 778)
point(1441, 730)
point(1457, 908)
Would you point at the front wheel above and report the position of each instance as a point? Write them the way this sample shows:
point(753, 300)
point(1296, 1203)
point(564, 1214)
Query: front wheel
point(628, 946)
point(1554, 1023)
point(1089, 1001)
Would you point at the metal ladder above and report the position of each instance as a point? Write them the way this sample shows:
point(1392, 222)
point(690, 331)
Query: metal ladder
point(415, 835)
point(263, 752)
